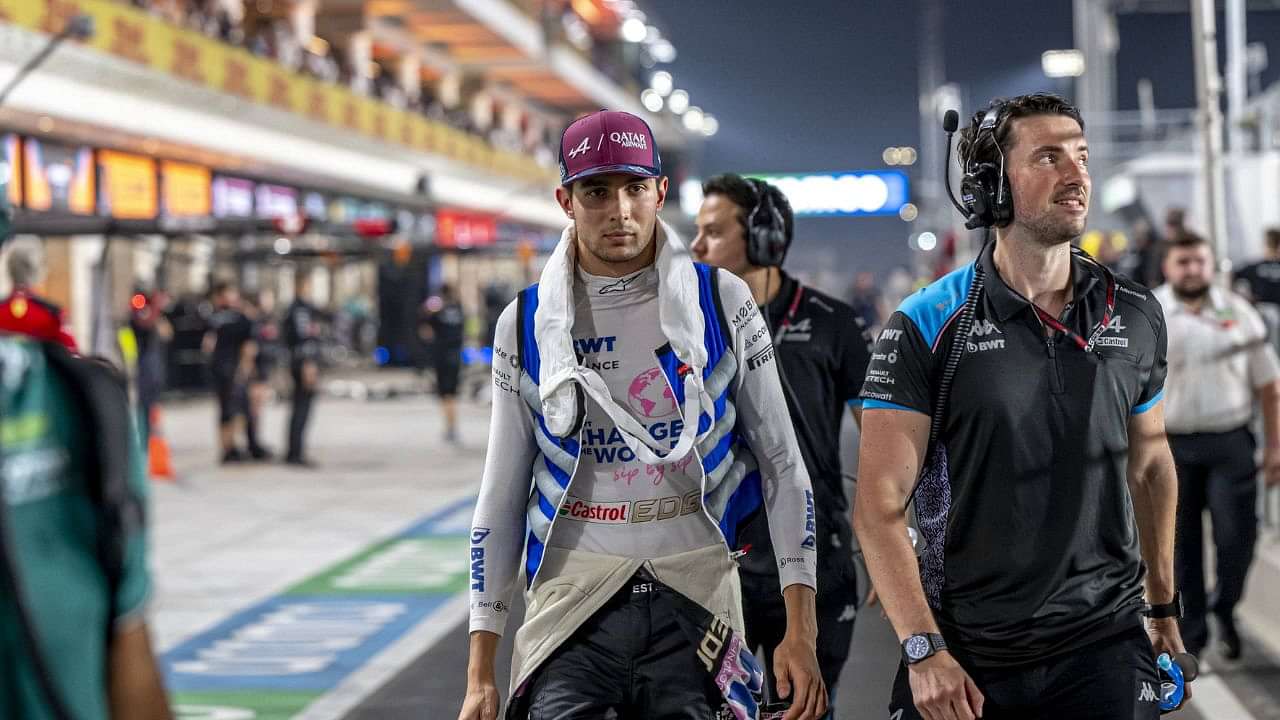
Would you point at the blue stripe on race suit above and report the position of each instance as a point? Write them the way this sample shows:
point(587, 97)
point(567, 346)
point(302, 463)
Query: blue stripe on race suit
point(560, 474)
point(529, 359)
point(545, 505)
point(744, 501)
point(718, 453)
point(713, 338)
point(533, 559)
point(569, 444)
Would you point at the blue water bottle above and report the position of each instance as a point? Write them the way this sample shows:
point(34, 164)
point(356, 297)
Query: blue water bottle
point(1175, 672)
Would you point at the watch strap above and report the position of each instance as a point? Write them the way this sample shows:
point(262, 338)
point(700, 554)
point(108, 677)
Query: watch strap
point(1171, 609)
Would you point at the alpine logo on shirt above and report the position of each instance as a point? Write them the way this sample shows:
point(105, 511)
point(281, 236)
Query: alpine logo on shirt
point(1115, 326)
point(800, 331)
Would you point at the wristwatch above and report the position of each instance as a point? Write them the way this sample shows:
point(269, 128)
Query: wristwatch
point(1171, 609)
point(921, 646)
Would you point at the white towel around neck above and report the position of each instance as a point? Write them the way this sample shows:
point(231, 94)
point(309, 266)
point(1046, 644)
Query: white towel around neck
point(681, 319)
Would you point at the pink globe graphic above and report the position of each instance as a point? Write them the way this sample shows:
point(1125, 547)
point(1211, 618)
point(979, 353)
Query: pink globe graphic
point(650, 396)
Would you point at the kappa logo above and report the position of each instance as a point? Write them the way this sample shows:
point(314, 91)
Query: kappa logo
point(984, 328)
point(1148, 693)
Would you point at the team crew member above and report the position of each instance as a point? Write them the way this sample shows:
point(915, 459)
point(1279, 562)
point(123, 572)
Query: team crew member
point(446, 348)
point(1219, 362)
point(302, 336)
point(1050, 483)
point(637, 420)
point(1260, 281)
point(232, 363)
point(746, 227)
point(73, 571)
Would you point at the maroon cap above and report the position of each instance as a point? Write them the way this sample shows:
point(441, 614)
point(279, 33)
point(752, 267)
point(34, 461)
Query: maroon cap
point(608, 141)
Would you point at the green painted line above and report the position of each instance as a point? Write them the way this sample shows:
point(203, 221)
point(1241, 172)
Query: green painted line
point(426, 565)
point(240, 705)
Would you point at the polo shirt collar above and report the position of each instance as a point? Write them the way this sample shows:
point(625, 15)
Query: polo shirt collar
point(1007, 302)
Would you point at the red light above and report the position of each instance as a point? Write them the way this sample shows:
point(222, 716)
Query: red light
point(138, 301)
point(373, 227)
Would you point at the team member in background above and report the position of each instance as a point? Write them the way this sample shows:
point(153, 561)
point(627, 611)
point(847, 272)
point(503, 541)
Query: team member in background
point(266, 336)
point(24, 311)
point(152, 332)
point(302, 336)
point(1219, 363)
point(232, 364)
point(746, 227)
point(1260, 282)
point(1048, 483)
point(446, 348)
point(73, 571)
point(637, 421)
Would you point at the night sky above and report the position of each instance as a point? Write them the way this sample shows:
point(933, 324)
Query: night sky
point(826, 85)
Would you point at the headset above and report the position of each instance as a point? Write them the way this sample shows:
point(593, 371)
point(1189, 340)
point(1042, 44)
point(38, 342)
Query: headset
point(984, 189)
point(767, 241)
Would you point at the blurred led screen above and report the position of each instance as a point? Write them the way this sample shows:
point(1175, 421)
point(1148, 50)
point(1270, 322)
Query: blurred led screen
point(59, 178)
point(869, 193)
point(187, 189)
point(232, 197)
point(463, 230)
point(315, 206)
point(277, 201)
point(129, 189)
point(9, 145)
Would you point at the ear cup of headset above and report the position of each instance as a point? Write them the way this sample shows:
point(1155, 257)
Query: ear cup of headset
point(766, 231)
point(986, 193)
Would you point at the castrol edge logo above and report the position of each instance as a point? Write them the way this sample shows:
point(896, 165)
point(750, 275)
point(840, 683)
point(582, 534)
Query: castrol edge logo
point(638, 511)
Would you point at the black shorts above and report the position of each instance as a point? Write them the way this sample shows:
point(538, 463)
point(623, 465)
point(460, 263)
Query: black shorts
point(447, 373)
point(633, 659)
point(1111, 679)
point(233, 397)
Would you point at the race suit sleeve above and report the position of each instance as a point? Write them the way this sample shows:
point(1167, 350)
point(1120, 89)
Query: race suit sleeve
point(498, 527)
point(766, 424)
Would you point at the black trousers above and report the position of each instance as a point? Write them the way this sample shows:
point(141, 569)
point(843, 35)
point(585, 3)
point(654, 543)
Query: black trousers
point(632, 660)
point(765, 614)
point(1112, 679)
point(299, 414)
point(1215, 471)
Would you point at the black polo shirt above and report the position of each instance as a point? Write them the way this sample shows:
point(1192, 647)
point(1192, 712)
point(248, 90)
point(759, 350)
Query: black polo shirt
point(822, 349)
point(1032, 547)
point(1261, 280)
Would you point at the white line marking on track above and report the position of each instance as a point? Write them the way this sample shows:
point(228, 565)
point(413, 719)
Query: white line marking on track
point(384, 666)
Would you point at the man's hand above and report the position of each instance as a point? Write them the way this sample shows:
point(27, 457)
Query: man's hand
point(481, 702)
point(1271, 466)
point(1167, 638)
point(795, 665)
point(942, 690)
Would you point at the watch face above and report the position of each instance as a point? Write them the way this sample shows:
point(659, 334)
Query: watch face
point(917, 647)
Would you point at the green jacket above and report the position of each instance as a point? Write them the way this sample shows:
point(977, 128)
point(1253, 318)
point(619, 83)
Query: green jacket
point(51, 455)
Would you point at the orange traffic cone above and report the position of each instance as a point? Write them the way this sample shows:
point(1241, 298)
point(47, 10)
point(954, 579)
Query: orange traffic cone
point(161, 467)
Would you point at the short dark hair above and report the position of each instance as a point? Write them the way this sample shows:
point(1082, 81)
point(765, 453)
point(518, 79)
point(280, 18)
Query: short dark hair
point(978, 147)
point(1184, 240)
point(1273, 238)
point(742, 192)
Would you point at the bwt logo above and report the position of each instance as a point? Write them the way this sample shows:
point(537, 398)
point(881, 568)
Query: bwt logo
point(810, 522)
point(594, 345)
point(890, 334)
point(477, 569)
point(479, 534)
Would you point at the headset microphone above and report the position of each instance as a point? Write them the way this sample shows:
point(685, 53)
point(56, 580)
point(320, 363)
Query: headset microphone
point(951, 121)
